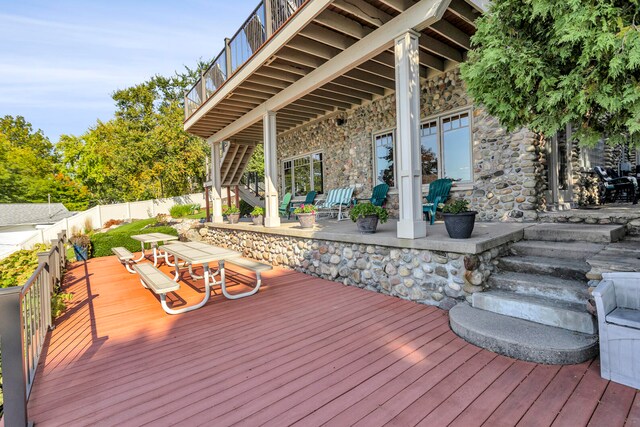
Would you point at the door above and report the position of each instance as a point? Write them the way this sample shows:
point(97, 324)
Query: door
point(559, 172)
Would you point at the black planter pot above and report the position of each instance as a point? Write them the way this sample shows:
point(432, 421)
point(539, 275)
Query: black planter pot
point(367, 224)
point(460, 226)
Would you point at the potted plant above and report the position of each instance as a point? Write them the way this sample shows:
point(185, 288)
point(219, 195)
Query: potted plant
point(366, 216)
point(458, 219)
point(258, 215)
point(306, 215)
point(232, 213)
point(81, 243)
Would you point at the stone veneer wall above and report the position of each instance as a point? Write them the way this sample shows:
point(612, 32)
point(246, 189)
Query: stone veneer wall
point(429, 277)
point(506, 165)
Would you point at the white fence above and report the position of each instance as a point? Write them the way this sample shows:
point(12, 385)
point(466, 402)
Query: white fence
point(100, 214)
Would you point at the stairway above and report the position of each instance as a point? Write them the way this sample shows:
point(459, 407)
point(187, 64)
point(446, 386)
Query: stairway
point(536, 307)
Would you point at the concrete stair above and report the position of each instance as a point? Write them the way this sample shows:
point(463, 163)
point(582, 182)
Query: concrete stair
point(571, 269)
point(566, 250)
point(546, 311)
point(542, 286)
point(520, 338)
point(598, 233)
point(536, 308)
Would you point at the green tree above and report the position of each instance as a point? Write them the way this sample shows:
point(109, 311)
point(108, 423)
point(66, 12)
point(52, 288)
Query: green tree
point(546, 63)
point(143, 152)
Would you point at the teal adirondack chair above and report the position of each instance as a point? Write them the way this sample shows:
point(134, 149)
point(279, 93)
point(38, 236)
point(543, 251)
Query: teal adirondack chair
point(438, 193)
point(379, 194)
point(284, 206)
point(308, 200)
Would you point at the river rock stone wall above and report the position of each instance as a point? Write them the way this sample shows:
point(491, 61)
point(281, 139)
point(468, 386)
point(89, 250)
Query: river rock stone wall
point(429, 277)
point(506, 165)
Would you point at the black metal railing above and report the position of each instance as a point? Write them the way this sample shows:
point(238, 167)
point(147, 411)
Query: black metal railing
point(254, 182)
point(267, 18)
point(25, 320)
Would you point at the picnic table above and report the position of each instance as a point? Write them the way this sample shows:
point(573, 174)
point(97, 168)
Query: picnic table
point(153, 239)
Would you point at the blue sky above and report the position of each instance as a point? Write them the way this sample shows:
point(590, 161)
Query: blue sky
point(61, 60)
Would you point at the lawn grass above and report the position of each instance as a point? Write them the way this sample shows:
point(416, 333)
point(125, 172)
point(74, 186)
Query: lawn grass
point(200, 215)
point(101, 243)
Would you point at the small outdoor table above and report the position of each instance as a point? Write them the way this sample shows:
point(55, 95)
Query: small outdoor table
point(201, 253)
point(153, 239)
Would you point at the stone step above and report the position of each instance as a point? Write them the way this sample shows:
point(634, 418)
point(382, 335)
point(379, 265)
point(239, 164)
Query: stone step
point(599, 233)
point(557, 267)
point(542, 286)
point(520, 338)
point(566, 250)
point(546, 311)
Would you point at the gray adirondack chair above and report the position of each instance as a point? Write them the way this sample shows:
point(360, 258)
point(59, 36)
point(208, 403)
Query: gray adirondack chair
point(618, 303)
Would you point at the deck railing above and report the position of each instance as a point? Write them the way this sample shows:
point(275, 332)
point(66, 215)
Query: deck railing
point(25, 320)
point(266, 19)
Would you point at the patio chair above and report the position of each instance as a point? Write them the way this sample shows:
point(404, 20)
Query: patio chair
point(615, 188)
point(308, 200)
point(284, 205)
point(379, 194)
point(618, 303)
point(438, 193)
point(336, 200)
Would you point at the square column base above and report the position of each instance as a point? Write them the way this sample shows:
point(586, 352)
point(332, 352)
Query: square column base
point(272, 222)
point(411, 229)
point(217, 219)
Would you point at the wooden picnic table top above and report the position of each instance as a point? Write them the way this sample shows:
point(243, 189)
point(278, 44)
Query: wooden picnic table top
point(154, 237)
point(198, 253)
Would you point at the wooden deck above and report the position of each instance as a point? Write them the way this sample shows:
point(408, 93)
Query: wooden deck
point(302, 351)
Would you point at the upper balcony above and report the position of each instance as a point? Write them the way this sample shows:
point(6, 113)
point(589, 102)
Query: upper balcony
point(309, 59)
point(266, 19)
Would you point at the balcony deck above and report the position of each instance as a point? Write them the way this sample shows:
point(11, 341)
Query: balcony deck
point(303, 350)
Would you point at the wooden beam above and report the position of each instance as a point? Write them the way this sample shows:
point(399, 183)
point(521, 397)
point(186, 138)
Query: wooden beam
point(360, 85)
point(398, 5)
point(439, 48)
point(313, 47)
point(327, 36)
point(274, 73)
point(464, 11)
point(364, 11)
point(300, 58)
point(342, 24)
point(365, 76)
point(420, 15)
point(268, 81)
point(453, 33)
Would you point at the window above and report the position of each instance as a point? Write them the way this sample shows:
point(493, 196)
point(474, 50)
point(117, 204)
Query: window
point(429, 151)
point(445, 150)
point(384, 159)
point(445, 145)
point(302, 174)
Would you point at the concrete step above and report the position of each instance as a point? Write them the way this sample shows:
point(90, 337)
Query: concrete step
point(557, 267)
point(520, 338)
point(599, 233)
point(546, 311)
point(542, 286)
point(566, 250)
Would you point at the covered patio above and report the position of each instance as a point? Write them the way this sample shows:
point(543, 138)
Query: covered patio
point(302, 351)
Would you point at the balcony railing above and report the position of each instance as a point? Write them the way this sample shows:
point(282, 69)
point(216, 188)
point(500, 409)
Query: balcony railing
point(266, 19)
point(25, 320)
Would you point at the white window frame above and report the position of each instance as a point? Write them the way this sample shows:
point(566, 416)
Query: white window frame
point(374, 135)
point(293, 174)
point(438, 118)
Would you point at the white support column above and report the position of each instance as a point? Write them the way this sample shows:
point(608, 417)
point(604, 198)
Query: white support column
point(272, 217)
point(216, 184)
point(409, 179)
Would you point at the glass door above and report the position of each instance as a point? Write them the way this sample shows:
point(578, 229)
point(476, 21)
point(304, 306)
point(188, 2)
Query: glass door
point(559, 172)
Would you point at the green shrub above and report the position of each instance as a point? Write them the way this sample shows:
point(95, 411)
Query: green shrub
point(102, 243)
point(456, 206)
point(178, 211)
point(365, 209)
point(230, 210)
point(257, 211)
point(16, 269)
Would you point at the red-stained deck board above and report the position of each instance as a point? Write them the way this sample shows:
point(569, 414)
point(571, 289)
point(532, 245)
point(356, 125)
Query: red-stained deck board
point(302, 350)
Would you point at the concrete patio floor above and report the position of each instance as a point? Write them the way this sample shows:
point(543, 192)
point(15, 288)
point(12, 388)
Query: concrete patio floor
point(302, 351)
point(486, 235)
